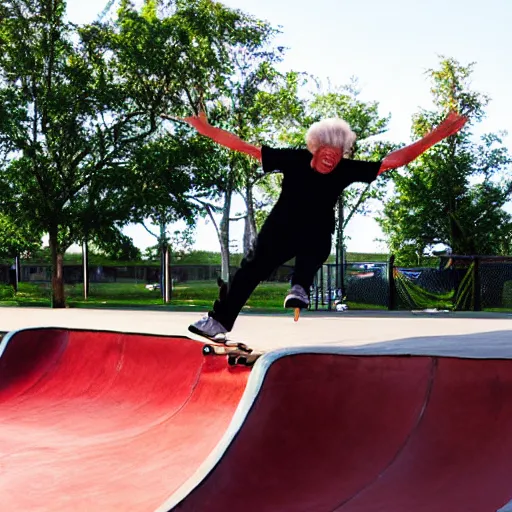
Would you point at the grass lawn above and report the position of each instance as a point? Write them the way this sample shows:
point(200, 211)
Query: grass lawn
point(199, 295)
point(185, 296)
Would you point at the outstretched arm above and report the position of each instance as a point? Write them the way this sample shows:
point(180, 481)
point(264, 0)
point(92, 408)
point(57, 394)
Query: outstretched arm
point(451, 125)
point(222, 137)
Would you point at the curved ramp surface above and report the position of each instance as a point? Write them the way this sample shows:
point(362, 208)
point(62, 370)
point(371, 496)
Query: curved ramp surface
point(118, 422)
point(106, 421)
point(331, 432)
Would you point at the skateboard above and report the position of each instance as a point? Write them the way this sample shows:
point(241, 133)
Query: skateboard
point(238, 353)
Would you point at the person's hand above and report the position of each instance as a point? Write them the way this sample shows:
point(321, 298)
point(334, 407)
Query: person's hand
point(195, 121)
point(400, 157)
point(198, 121)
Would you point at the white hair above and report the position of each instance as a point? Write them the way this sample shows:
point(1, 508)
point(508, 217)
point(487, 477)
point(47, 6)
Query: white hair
point(333, 132)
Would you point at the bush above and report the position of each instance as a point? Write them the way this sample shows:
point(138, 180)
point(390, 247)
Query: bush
point(6, 292)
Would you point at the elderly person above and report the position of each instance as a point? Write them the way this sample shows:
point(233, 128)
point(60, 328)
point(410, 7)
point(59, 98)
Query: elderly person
point(302, 221)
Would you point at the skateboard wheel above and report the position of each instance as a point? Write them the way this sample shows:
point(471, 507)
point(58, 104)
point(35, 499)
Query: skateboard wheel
point(232, 360)
point(207, 350)
point(242, 360)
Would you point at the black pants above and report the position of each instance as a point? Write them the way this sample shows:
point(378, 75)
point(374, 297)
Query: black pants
point(276, 244)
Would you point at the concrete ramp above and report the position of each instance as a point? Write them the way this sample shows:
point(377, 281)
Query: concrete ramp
point(359, 433)
point(119, 422)
point(106, 421)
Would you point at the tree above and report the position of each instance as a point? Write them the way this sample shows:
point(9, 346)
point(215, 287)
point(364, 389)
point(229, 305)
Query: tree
point(64, 120)
point(235, 106)
point(76, 101)
point(270, 99)
point(163, 191)
point(249, 111)
point(116, 246)
point(162, 181)
point(180, 243)
point(453, 194)
point(18, 239)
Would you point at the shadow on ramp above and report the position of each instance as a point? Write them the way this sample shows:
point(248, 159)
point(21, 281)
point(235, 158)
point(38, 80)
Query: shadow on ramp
point(118, 422)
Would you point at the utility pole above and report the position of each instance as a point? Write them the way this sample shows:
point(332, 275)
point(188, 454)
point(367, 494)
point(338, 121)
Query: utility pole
point(85, 266)
point(340, 248)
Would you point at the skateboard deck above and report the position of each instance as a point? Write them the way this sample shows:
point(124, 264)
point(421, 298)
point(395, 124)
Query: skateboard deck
point(237, 353)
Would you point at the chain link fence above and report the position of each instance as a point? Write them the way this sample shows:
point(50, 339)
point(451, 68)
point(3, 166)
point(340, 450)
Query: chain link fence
point(457, 283)
point(73, 274)
point(460, 283)
point(362, 283)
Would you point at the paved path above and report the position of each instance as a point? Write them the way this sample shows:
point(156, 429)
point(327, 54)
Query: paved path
point(471, 335)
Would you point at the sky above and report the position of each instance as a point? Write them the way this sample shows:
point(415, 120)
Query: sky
point(388, 46)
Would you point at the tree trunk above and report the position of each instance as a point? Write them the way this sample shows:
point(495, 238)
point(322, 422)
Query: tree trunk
point(224, 234)
point(58, 297)
point(250, 221)
point(166, 284)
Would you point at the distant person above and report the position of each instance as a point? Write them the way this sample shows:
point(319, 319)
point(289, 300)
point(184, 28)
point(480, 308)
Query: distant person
point(302, 221)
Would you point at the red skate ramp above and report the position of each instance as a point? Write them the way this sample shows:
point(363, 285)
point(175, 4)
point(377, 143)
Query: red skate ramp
point(105, 421)
point(112, 422)
point(333, 432)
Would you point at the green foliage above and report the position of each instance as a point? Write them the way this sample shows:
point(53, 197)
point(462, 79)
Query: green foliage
point(179, 244)
point(78, 103)
point(66, 127)
point(17, 238)
point(163, 185)
point(6, 292)
point(117, 246)
point(454, 193)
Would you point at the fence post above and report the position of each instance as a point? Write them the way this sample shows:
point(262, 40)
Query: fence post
point(85, 268)
point(391, 284)
point(329, 287)
point(17, 262)
point(477, 297)
point(316, 292)
point(322, 286)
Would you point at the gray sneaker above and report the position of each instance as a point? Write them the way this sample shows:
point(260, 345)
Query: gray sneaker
point(209, 328)
point(296, 298)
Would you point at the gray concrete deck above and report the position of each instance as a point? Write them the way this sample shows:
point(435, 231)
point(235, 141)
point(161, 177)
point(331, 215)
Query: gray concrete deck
point(466, 335)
